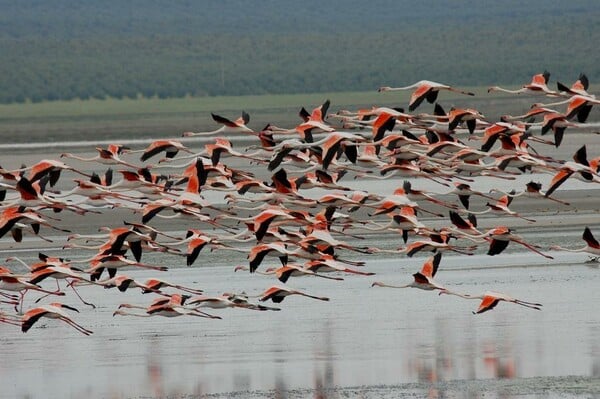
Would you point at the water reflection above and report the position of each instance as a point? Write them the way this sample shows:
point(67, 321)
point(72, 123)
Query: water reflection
point(595, 351)
point(346, 348)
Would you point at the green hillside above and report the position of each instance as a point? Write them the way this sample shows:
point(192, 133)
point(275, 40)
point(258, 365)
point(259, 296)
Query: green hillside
point(97, 49)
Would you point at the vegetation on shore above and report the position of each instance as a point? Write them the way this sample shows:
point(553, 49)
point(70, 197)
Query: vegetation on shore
point(64, 50)
point(113, 119)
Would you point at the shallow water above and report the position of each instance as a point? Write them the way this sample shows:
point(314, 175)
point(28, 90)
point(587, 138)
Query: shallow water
point(364, 342)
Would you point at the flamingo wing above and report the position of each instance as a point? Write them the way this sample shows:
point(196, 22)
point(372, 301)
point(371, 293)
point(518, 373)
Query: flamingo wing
point(497, 246)
point(430, 267)
point(488, 303)
point(275, 294)
point(222, 120)
point(418, 96)
point(194, 248)
point(589, 238)
point(31, 317)
point(558, 179)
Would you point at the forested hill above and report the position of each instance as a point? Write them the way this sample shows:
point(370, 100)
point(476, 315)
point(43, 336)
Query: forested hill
point(64, 49)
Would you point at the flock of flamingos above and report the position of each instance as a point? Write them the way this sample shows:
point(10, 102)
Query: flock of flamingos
point(309, 236)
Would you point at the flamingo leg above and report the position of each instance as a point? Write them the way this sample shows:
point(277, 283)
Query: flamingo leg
point(80, 298)
point(328, 277)
point(199, 313)
point(320, 298)
point(190, 290)
point(528, 305)
point(530, 247)
point(76, 326)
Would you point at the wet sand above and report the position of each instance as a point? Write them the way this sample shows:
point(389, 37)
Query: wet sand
point(364, 343)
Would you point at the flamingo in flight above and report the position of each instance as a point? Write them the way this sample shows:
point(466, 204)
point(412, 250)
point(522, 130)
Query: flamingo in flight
point(592, 246)
point(423, 279)
point(424, 89)
point(490, 299)
point(501, 207)
point(227, 300)
point(538, 84)
point(108, 156)
point(173, 306)
point(229, 126)
point(170, 147)
point(532, 190)
point(51, 311)
point(500, 237)
point(580, 165)
point(277, 294)
point(50, 168)
point(579, 87)
point(578, 106)
point(312, 121)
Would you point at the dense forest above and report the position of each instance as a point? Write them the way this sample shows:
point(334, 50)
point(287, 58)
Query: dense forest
point(66, 49)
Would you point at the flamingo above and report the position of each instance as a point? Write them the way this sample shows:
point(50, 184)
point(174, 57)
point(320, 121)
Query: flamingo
point(258, 253)
point(328, 264)
point(578, 106)
point(170, 147)
point(466, 228)
point(558, 123)
point(32, 195)
point(579, 87)
point(418, 195)
point(529, 115)
point(469, 116)
point(321, 179)
point(17, 283)
point(197, 243)
point(52, 311)
point(322, 236)
point(456, 117)
point(580, 167)
point(384, 122)
point(50, 168)
point(170, 307)
point(424, 89)
point(398, 199)
point(592, 246)
point(154, 285)
point(490, 299)
point(464, 192)
point(277, 294)
point(423, 279)
point(501, 207)
point(405, 220)
point(114, 262)
point(107, 156)
point(311, 122)
point(229, 126)
point(123, 282)
point(435, 244)
point(500, 237)
point(538, 84)
point(58, 271)
point(12, 218)
point(214, 151)
point(532, 190)
point(318, 114)
point(226, 300)
point(96, 193)
point(283, 273)
point(119, 236)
